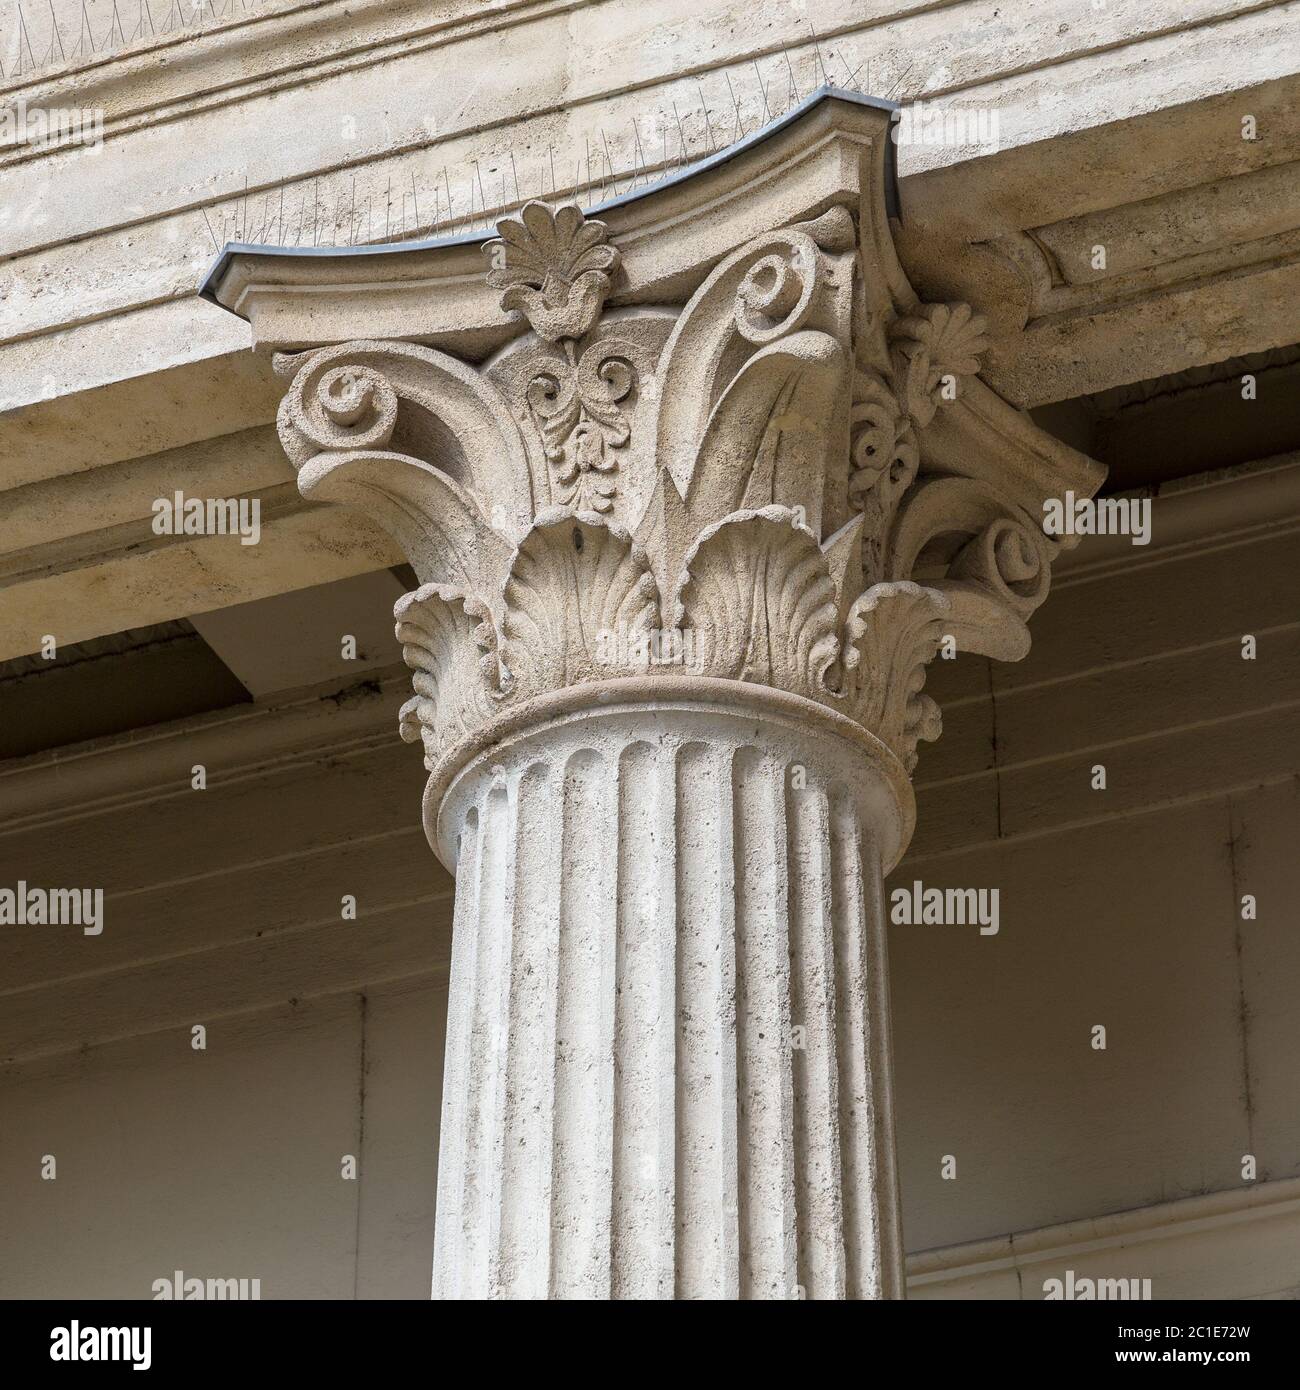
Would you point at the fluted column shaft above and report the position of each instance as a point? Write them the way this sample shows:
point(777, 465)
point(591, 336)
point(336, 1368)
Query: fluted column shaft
point(667, 1069)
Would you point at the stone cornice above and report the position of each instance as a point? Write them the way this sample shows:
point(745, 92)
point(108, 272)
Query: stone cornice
point(1221, 507)
point(1033, 181)
point(668, 236)
point(711, 436)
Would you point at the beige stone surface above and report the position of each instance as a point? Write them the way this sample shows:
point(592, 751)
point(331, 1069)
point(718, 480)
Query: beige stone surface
point(1120, 125)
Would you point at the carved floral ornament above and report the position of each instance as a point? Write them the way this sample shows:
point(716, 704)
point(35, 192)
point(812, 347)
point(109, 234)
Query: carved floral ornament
point(735, 487)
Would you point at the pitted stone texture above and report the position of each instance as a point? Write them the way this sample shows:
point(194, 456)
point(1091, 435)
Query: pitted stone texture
point(667, 1055)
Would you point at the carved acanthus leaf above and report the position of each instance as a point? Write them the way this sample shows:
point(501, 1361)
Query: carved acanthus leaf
point(450, 643)
point(439, 526)
point(757, 594)
point(402, 398)
point(929, 352)
point(983, 552)
point(752, 406)
point(578, 599)
point(892, 632)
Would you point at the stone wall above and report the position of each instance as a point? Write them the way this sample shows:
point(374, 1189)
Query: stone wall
point(1118, 907)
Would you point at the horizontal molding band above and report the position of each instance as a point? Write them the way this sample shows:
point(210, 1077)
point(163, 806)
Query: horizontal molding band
point(1231, 507)
point(1223, 1229)
point(305, 961)
point(113, 773)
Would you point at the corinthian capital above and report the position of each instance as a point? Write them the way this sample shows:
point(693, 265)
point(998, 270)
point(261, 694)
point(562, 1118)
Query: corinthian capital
point(739, 450)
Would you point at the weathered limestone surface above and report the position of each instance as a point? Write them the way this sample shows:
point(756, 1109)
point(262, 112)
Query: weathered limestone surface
point(106, 355)
point(668, 1013)
point(683, 559)
point(1119, 125)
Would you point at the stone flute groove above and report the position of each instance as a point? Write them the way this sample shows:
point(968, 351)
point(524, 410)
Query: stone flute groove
point(669, 984)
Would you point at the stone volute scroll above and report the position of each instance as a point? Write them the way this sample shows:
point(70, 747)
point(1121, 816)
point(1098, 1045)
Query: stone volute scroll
point(695, 487)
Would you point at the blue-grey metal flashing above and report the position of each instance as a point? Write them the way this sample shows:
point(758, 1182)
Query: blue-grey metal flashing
point(207, 287)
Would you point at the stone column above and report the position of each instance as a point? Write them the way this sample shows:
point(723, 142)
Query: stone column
point(682, 567)
point(667, 1057)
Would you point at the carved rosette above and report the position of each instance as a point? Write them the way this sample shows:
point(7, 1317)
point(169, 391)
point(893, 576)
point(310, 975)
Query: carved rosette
point(740, 487)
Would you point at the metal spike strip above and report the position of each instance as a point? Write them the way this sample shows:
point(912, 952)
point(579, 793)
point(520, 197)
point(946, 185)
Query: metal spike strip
point(611, 162)
point(23, 36)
